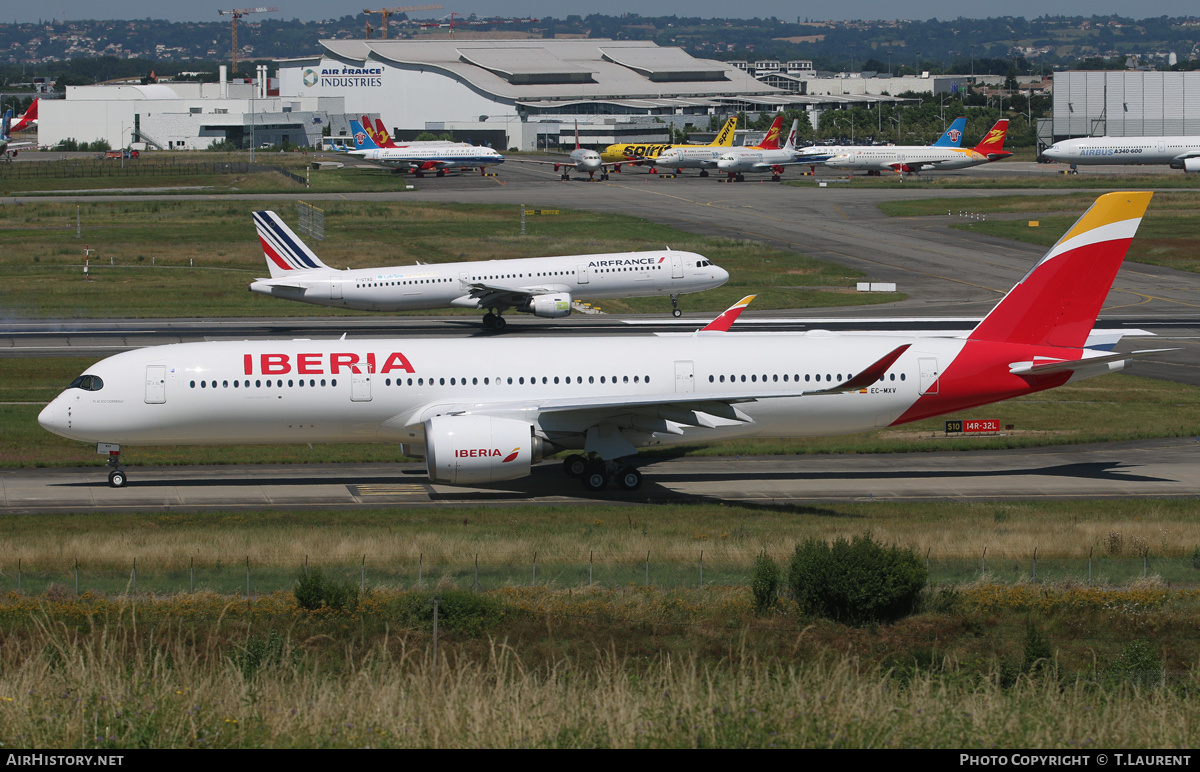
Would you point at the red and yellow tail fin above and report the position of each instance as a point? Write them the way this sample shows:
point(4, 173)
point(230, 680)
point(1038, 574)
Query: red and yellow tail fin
point(992, 144)
point(771, 141)
point(382, 138)
point(1057, 302)
point(723, 322)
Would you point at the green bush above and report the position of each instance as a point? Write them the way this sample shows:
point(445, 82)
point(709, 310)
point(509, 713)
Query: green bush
point(1137, 664)
point(856, 582)
point(1038, 654)
point(459, 611)
point(765, 584)
point(314, 590)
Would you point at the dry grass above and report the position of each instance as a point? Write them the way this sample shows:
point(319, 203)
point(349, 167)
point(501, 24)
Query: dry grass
point(128, 676)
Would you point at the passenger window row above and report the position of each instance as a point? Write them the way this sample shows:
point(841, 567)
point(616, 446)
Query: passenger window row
point(808, 378)
point(517, 380)
point(259, 384)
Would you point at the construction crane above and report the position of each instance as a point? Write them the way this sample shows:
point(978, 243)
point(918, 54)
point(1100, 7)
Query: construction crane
point(386, 12)
point(471, 21)
point(238, 13)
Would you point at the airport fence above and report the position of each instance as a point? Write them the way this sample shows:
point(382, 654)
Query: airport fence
point(81, 168)
point(252, 577)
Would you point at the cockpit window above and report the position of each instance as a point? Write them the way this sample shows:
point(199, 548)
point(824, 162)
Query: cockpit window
point(87, 383)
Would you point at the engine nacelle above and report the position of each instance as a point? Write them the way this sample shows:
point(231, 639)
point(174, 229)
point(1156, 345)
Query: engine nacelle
point(550, 306)
point(472, 449)
point(1191, 164)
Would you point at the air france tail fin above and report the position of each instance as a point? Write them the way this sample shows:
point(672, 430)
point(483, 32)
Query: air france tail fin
point(771, 141)
point(1057, 302)
point(284, 251)
point(992, 144)
point(725, 136)
point(362, 140)
point(954, 135)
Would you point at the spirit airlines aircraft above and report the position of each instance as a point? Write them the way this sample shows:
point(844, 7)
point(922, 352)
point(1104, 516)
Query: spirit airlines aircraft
point(542, 286)
point(421, 159)
point(1177, 152)
point(649, 153)
point(702, 157)
point(486, 412)
point(914, 158)
point(739, 160)
point(819, 154)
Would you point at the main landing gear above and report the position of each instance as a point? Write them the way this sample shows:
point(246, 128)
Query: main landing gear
point(704, 172)
point(493, 321)
point(597, 475)
point(675, 312)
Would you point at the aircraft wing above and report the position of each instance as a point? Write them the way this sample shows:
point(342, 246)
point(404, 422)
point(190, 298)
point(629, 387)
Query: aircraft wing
point(602, 418)
point(493, 294)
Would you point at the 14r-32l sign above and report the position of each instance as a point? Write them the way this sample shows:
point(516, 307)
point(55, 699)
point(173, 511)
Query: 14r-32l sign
point(973, 425)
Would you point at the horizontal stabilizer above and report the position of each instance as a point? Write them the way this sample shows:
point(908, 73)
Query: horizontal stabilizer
point(1043, 366)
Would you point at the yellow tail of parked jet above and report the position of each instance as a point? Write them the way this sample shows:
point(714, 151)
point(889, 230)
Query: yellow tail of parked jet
point(647, 152)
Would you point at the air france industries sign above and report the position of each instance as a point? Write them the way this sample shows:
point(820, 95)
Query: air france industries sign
point(343, 77)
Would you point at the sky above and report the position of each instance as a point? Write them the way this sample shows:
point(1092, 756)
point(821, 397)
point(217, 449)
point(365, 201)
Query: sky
point(308, 10)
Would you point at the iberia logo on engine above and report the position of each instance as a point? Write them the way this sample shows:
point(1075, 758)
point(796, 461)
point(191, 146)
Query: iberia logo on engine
point(486, 453)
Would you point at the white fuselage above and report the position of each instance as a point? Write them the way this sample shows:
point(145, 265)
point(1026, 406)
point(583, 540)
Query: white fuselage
point(432, 157)
point(419, 287)
point(899, 156)
point(233, 392)
point(753, 159)
point(586, 160)
point(700, 157)
point(1127, 150)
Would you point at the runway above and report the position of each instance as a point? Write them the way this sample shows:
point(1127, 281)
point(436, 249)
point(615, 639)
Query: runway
point(951, 277)
point(1118, 470)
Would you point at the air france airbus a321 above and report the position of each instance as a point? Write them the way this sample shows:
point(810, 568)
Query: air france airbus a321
point(542, 286)
point(483, 412)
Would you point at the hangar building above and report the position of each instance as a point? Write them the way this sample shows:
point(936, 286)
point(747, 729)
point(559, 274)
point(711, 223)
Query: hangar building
point(1128, 103)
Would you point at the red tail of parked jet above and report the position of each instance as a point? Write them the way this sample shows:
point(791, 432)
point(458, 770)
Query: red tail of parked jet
point(26, 121)
point(771, 141)
point(382, 138)
point(992, 145)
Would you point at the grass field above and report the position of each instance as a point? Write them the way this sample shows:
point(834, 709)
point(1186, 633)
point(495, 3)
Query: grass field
point(1056, 664)
point(933, 181)
point(202, 255)
point(1169, 234)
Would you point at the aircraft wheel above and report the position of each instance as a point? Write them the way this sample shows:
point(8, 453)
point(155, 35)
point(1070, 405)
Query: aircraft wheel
point(499, 323)
point(117, 479)
point(603, 177)
point(441, 173)
point(741, 178)
point(489, 321)
point(704, 172)
point(575, 465)
point(676, 313)
point(629, 479)
point(594, 479)
point(566, 177)
point(775, 178)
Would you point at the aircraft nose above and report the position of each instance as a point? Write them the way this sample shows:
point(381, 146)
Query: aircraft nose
point(1054, 153)
point(720, 273)
point(54, 417)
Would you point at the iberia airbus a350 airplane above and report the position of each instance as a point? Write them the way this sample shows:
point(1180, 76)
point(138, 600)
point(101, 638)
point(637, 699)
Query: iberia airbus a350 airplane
point(482, 412)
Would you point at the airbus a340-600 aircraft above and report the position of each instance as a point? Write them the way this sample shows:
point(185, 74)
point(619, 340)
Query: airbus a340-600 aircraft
point(483, 412)
point(542, 286)
point(1176, 152)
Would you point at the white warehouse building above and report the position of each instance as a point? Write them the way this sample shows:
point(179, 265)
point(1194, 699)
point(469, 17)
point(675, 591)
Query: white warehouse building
point(520, 92)
point(186, 115)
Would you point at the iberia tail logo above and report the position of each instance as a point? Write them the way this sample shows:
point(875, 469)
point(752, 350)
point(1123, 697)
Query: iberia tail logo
point(511, 456)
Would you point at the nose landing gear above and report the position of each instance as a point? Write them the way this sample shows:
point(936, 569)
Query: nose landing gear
point(116, 477)
point(675, 312)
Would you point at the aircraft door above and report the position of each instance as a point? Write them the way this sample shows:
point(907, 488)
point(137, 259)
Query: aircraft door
point(685, 377)
point(335, 290)
point(156, 384)
point(360, 387)
point(676, 267)
point(929, 375)
point(581, 273)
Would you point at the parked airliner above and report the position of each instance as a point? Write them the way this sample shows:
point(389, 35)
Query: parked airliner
point(916, 158)
point(542, 286)
point(819, 154)
point(482, 412)
point(1176, 152)
point(423, 158)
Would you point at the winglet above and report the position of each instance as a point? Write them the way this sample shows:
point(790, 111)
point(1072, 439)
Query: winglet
point(868, 376)
point(723, 322)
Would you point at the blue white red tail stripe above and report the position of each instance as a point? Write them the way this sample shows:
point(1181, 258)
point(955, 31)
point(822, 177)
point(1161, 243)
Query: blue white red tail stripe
point(283, 248)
